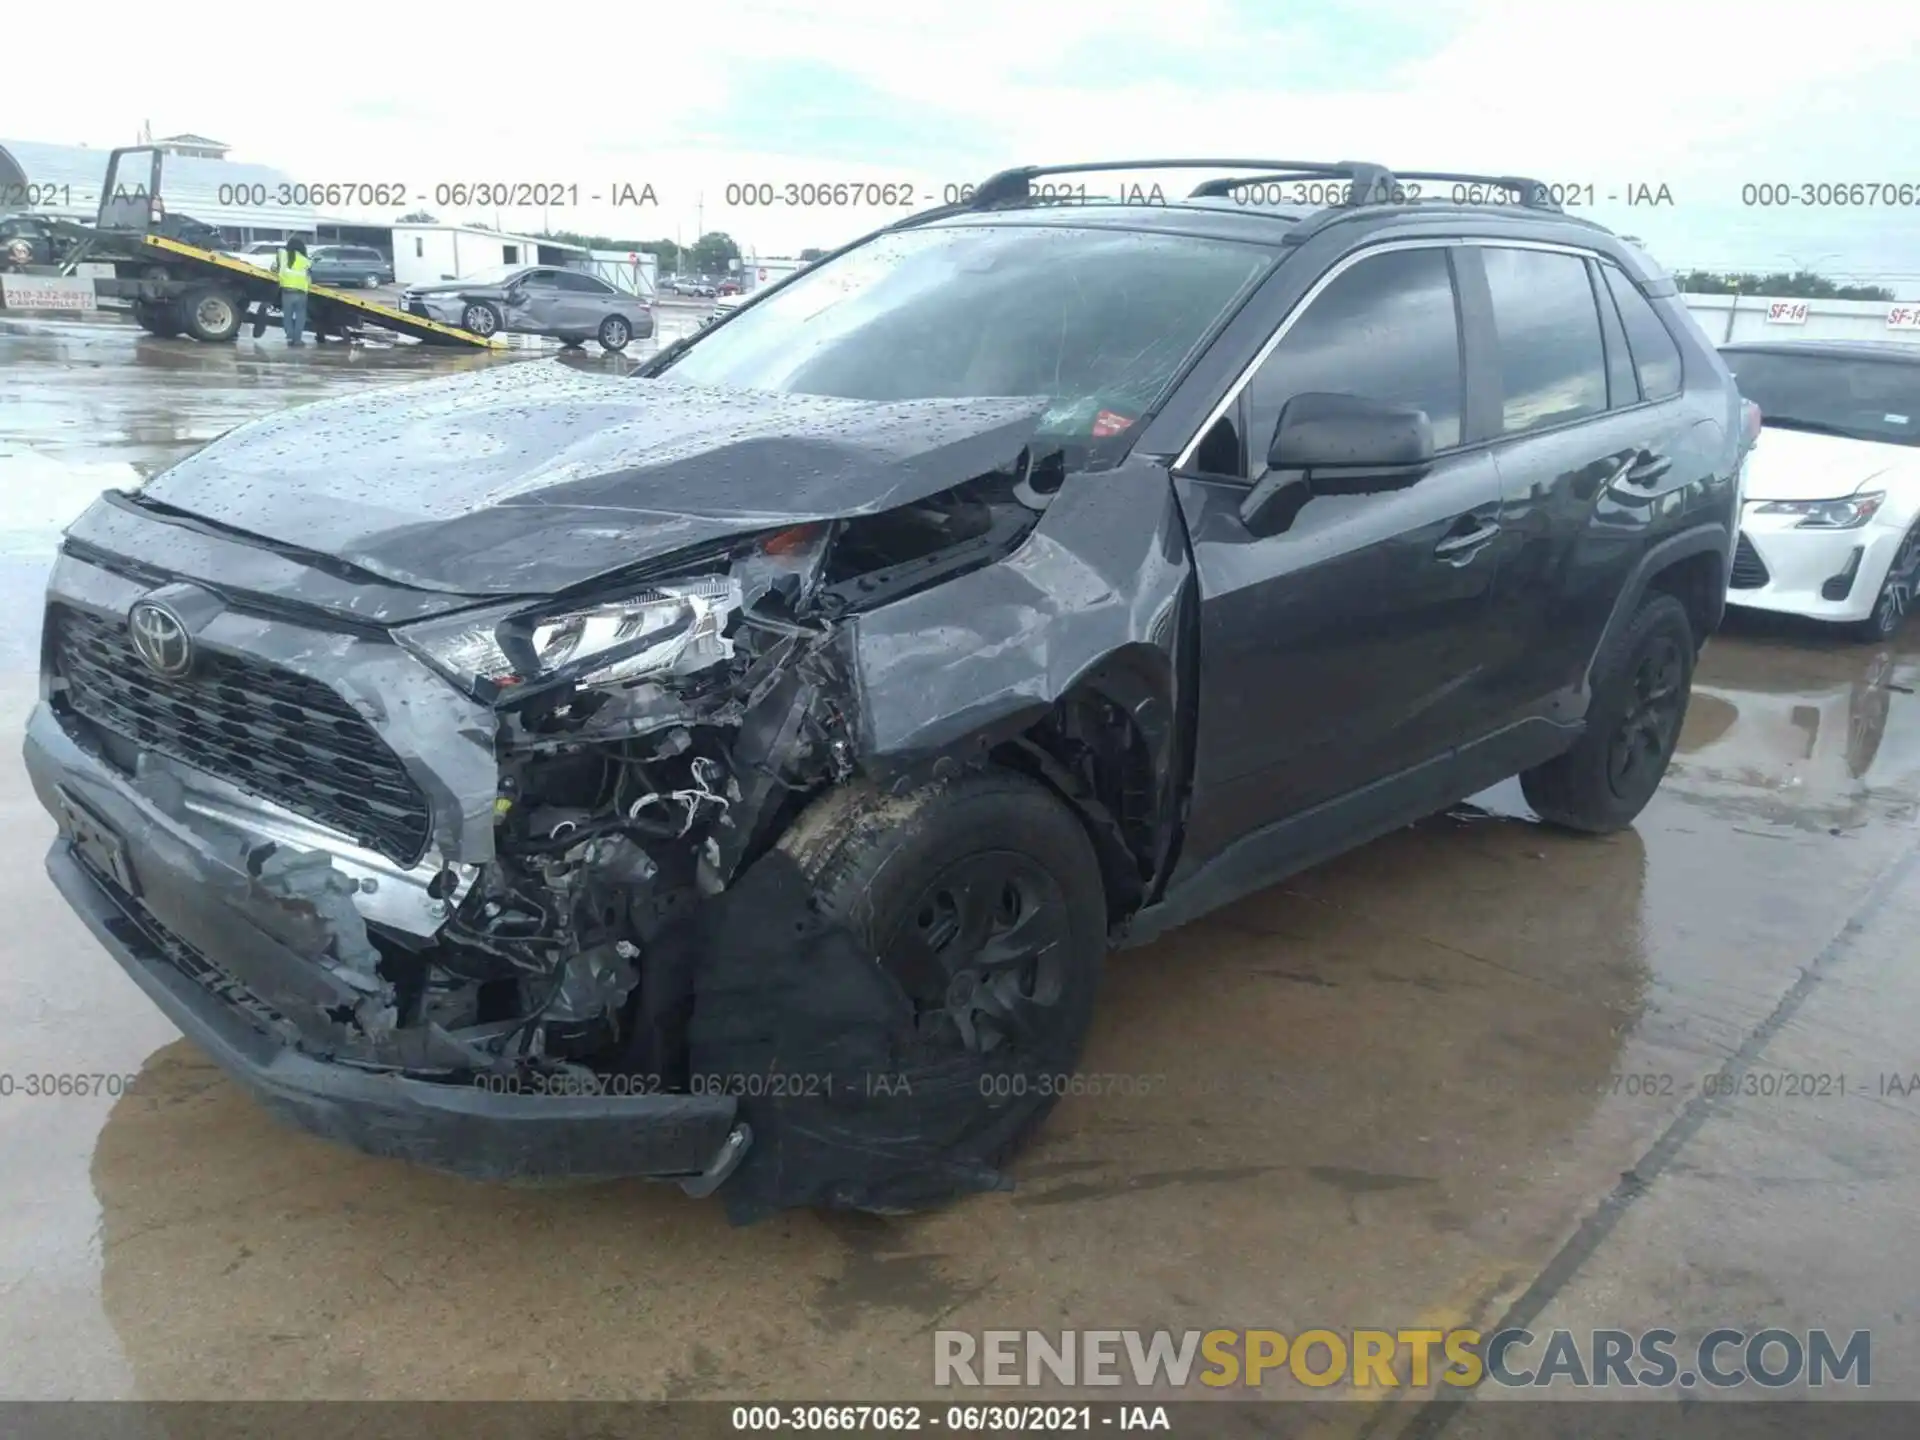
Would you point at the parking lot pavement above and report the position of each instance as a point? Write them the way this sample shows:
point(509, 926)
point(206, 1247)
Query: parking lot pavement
point(1399, 1090)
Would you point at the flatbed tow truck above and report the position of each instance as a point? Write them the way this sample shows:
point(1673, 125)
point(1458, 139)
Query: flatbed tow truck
point(175, 287)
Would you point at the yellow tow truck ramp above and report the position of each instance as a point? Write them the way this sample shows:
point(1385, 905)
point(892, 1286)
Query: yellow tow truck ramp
point(176, 284)
point(329, 311)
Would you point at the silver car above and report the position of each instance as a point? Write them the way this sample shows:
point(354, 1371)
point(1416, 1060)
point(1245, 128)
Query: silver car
point(570, 305)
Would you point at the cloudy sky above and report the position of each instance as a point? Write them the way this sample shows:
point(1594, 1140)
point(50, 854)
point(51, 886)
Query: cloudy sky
point(1699, 95)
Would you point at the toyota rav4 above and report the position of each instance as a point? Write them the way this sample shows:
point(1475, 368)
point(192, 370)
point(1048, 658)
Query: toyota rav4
point(737, 772)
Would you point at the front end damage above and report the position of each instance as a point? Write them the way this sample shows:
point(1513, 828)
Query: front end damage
point(598, 963)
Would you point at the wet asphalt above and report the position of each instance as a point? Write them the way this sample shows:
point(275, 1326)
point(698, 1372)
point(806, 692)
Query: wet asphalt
point(1452, 1078)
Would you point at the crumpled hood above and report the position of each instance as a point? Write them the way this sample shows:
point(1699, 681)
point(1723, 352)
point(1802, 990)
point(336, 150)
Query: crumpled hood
point(1799, 465)
point(528, 478)
point(453, 287)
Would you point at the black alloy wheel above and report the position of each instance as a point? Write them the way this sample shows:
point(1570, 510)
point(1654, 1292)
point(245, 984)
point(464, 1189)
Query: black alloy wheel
point(1644, 738)
point(982, 953)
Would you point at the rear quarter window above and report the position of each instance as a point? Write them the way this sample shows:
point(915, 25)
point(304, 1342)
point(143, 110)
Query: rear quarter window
point(1655, 355)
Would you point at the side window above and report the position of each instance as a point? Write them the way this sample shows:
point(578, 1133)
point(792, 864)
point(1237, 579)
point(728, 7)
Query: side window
point(1386, 329)
point(1655, 355)
point(1623, 388)
point(1552, 367)
point(584, 284)
point(539, 280)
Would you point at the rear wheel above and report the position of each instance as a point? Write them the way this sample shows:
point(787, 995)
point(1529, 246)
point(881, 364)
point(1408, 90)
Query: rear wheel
point(615, 332)
point(1640, 690)
point(156, 317)
point(210, 314)
point(1896, 598)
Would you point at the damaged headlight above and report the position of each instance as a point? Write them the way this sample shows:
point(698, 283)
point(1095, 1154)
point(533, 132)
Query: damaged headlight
point(667, 628)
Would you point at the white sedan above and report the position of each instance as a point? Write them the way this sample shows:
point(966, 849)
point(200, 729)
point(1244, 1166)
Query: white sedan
point(1830, 527)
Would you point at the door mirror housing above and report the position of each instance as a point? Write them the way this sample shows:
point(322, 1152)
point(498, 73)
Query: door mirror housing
point(1337, 445)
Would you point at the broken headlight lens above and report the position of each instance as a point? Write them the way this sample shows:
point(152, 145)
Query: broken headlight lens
point(669, 628)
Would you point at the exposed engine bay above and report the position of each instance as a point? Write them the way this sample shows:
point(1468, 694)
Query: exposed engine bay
point(626, 799)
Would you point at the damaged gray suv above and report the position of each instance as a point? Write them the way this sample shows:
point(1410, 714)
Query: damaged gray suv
point(736, 772)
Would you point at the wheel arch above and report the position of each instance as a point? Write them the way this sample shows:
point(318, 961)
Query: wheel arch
point(1111, 748)
point(1692, 567)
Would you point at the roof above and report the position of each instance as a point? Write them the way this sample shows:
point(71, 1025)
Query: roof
point(189, 184)
point(1219, 218)
point(1901, 351)
point(512, 237)
point(191, 139)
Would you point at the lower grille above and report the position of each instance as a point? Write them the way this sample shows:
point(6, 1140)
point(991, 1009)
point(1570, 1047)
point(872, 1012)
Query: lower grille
point(269, 731)
point(1749, 570)
point(136, 927)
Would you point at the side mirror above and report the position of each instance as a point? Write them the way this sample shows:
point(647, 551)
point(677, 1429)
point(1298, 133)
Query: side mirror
point(1337, 445)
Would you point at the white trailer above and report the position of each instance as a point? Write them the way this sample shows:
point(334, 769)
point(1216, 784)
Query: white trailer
point(427, 254)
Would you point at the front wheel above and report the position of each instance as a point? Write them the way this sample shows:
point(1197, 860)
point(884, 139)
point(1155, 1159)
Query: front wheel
point(1895, 600)
point(974, 920)
point(480, 318)
point(1640, 688)
point(615, 332)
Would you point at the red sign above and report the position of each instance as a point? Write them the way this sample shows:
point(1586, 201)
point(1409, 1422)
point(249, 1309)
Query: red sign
point(1108, 423)
point(632, 258)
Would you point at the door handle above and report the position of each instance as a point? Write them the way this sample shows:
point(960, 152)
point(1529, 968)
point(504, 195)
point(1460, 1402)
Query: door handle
point(1647, 468)
point(1459, 549)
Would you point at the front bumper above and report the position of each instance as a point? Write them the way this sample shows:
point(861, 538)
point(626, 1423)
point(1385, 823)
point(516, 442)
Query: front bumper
point(223, 959)
point(1803, 570)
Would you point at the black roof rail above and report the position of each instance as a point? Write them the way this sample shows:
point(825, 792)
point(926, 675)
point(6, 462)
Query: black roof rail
point(1370, 182)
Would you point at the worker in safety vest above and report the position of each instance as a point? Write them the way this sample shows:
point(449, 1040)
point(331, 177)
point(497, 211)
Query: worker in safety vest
point(293, 264)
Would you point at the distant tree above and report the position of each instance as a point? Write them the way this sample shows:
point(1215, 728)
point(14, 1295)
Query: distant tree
point(710, 253)
point(419, 217)
point(600, 242)
point(1797, 285)
point(810, 254)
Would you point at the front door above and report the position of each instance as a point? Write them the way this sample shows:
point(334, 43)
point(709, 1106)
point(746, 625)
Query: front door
point(1346, 649)
point(535, 306)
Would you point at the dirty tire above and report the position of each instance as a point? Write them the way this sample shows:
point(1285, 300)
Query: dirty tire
point(1640, 689)
point(946, 1110)
point(615, 332)
point(156, 318)
point(480, 318)
point(209, 314)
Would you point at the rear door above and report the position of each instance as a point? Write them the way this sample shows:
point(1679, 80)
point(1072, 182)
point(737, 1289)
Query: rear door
point(584, 301)
point(1591, 448)
point(1343, 650)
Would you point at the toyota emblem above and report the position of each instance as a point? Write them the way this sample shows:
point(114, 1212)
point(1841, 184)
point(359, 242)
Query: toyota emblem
point(160, 638)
